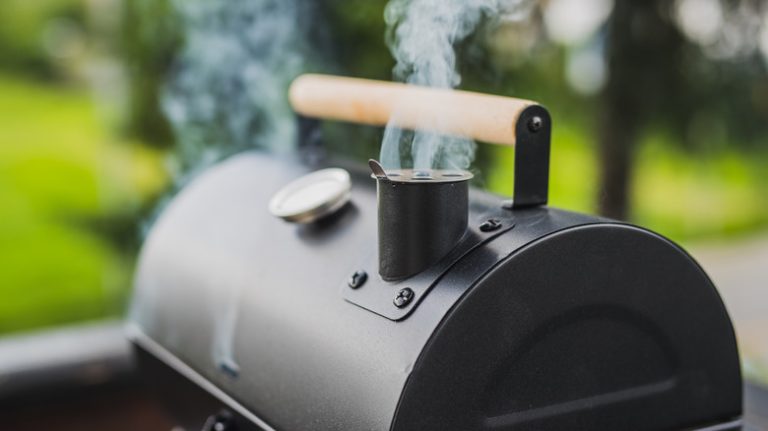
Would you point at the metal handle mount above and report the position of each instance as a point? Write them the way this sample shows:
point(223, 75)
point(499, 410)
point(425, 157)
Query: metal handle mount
point(532, 148)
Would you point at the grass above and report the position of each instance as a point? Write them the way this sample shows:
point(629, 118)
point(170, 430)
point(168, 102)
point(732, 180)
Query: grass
point(60, 168)
point(719, 194)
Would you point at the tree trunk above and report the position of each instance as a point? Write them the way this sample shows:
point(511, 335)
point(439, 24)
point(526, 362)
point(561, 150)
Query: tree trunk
point(617, 140)
point(642, 53)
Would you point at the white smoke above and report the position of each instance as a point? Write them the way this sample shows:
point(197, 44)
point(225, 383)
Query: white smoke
point(228, 93)
point(228, 90)
point(422, 36)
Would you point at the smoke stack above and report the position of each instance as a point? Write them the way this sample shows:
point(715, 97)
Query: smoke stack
point(422, 215)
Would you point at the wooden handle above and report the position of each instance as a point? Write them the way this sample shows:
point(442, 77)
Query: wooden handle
point(483, 117)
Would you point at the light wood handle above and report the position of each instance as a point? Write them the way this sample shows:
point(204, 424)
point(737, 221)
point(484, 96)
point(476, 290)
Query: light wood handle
point(483, 117)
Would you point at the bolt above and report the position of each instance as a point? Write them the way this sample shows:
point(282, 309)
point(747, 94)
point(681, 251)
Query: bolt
point(535, 124)
point(357, 279)
point(404, 297)
point(490, 225)
point(219, 422)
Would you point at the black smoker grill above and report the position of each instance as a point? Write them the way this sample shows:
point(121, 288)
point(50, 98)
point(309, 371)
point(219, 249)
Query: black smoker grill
point(441, 308)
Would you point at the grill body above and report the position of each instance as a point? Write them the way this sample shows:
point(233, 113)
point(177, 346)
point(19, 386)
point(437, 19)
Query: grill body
point(555, 321)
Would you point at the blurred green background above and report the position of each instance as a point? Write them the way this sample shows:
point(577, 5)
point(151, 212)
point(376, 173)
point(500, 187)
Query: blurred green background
point(72, 186)
point(660, 110)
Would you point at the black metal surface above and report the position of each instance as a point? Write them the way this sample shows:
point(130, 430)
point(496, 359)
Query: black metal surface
point(378, 294)
point(560, 311)
point(598, 327)
point(419, 222)
point(532, 148)
point(216, 255)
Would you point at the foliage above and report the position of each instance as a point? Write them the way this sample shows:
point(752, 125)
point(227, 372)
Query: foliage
point(58, 185)
point(27, 27)
point(150, 35)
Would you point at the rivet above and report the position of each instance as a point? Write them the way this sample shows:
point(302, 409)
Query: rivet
point(219, 422)
point(357, 279)
point(404, 297)
point(490, 225)
point(535, 124)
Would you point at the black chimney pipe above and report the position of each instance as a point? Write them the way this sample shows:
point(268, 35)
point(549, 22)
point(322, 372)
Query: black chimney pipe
point(422, 215)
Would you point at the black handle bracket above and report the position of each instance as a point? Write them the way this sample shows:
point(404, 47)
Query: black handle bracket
point(532, 147)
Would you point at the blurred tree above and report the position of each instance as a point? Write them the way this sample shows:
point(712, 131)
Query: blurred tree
point(658, 78)
point(151, 36)
point(352, 35)
point(36, 37)
point(643, 51)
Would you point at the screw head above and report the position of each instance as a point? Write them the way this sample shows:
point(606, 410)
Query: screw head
point(535, 124)
point(404, 297)
point(490, 225)
point(219, 422)
point(357, 279)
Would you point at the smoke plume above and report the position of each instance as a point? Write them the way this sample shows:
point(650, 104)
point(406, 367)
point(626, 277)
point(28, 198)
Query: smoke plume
point(422, 35)
point(228, 93)
point(228, 90)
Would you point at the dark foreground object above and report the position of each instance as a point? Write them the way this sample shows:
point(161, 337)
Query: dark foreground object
point(60, 393)
point(78, 378)
point(552, 320)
